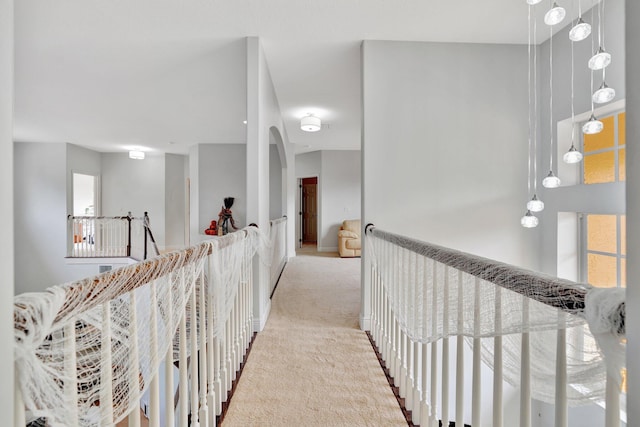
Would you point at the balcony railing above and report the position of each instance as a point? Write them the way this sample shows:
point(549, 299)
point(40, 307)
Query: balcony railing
point(86, 352)
point(278, 239)
point(104, 237)
point(530, 328)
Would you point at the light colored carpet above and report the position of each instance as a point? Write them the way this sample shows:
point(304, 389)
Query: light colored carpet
point(312, 365)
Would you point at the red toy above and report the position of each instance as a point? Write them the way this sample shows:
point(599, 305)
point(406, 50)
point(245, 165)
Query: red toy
point(212, 230)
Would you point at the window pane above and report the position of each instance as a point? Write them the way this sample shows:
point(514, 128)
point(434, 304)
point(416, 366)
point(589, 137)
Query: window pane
point(623, 272)
point(604, 139)
point(622, 172)
point(599, 168)
point(623, 234)
point(622, 132)
point(601, 233)
point(601, 270)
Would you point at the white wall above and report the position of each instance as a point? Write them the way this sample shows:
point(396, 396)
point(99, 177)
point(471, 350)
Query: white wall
point(445, 149)
point(175, 200)
point(6, 215)
point(275, 183)
point(633, 210)
point(340, 183)
point(135, 186)
point(221, 173)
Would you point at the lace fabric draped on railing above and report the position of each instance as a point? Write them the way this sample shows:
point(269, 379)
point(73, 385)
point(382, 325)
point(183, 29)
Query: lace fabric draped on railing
point(436, 293)
point(99, 341)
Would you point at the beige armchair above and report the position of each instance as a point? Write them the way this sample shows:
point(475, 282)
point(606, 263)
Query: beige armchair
point(349, 238)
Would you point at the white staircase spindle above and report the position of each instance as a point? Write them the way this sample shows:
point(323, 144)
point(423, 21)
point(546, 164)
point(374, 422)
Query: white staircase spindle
point(460, 355)
point(193, 359)
point(106, 368)
point(612, 399)
point(211, 397)
point(445, 348)
point(134, 370)
point(476, 387)
point(19, 415)
point(183, 385)
point(561, 415)
point(497, 360)
point(154, 386)
point(70, 368)
point(203, 415)
point(525, 370)
point(169, 408)
point(434, 348)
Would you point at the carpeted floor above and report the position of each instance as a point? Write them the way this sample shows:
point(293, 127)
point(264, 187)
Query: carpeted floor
point(312, 365)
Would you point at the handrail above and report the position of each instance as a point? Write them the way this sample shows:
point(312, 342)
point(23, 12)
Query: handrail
point(559, 293)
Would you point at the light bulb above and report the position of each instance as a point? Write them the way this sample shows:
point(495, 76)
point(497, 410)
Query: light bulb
point(555, 15)
point(532, 2)
point(580, 31)
point(551, 181)
point(592, 126)
point(136, 155)
point(603, 94)
point(572, 156)
point(600, 60)
point(528, 220)
point(535, 205)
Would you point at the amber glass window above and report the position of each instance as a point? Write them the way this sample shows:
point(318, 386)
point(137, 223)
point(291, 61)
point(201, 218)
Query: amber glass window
point(604, 152)
point(605, 250)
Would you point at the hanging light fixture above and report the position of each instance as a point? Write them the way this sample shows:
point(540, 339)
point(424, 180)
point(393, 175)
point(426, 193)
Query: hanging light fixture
point(529, 220)
point(601, 58)
point(555, 15)
point(532, 2)
point(551, 181)
point(580, 31)
point(310, 123)
point(573, 155)
point(535, 204)
point(604, 94)
point(592, 126)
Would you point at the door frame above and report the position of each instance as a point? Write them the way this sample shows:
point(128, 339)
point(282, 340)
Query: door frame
point(299, 223)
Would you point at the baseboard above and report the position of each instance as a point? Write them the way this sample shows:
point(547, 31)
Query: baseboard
point(365, 323)
point(258, 324)
point(327, 249)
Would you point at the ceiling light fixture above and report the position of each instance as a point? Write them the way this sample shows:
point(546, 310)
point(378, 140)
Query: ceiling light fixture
point(528, 220)
point(532, 2)
point(555, 15)
point(601, 58)
point(580, 31)
point(592, 126)
point(604, 94)
point(551, 181)
point(573, 155)
point(136, 155)
point(535, 204)
point(310, 123)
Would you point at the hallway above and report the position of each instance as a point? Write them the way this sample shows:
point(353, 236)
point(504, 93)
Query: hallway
point(312, 365)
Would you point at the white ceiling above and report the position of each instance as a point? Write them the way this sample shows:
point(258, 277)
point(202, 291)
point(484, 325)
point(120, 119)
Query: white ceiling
point(163, 75)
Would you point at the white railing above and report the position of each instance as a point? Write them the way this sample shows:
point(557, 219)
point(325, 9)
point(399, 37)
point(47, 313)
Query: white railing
point(88, 351)
point(278, 240)
point(528, 327)
point(104, 237)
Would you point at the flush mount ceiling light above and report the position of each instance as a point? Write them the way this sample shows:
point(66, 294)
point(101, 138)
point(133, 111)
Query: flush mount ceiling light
point(528, 220)
point(555, 15)
point(580, 31)
point(136, 155)
point(310, 123)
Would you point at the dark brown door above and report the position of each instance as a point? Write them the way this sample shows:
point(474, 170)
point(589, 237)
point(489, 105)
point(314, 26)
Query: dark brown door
point(309, 210)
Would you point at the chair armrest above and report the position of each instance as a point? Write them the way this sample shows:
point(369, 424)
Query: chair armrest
point(348, 234)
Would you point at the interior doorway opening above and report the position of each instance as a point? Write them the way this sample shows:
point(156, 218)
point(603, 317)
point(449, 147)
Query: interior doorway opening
point(309, 212)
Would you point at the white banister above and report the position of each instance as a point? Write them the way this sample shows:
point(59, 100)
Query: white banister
point(71, 370)
point(106, 368)
point(183, 386)
point(612, 402)
point(525, 370)
point(561, 413)
point(193, 359)
point(460, 356)
point(497, 360)
point(169, 405)
point(154, 386)
point(134, 370)
point(476, 388)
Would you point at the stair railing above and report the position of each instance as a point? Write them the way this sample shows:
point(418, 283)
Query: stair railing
point(278, 239)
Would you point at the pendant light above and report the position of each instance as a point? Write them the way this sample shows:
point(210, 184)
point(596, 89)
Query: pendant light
point(581, 29)
point(555, 15)
point(529, 220)
point(532, 2)
point(604, 94)
point(601, 58)
point(573, 155)
point(535, 204)
point(551, 181)
point(593, 125)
